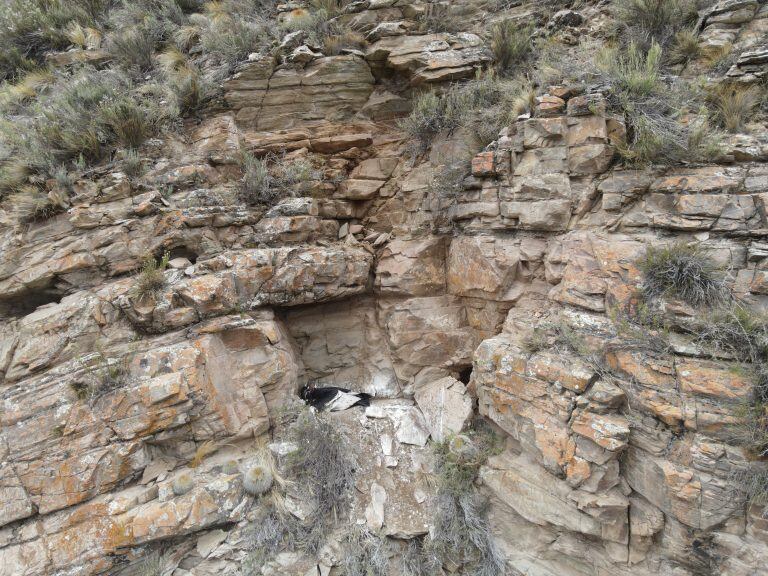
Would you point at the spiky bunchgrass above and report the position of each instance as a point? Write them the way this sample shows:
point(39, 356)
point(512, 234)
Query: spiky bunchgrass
point(32, 204)
point(511, 45)
point(331, 8)
point(126, 120)
point(685, 272)
point(151, 279)
point(25, 88)
point(634, 72)
point(655, 21)
point(334, 44)
point(685, 47)
point(266, 180)
point(84, 37)
point(734, 106)
point(202, 452)
point(483, 106)
point(31, 28)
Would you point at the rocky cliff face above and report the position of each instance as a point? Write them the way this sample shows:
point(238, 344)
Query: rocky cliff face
point(507, 302)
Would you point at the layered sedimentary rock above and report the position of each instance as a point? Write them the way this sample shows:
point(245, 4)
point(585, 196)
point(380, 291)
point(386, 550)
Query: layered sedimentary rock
point(505, 303)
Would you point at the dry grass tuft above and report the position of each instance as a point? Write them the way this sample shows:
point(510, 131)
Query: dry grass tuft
point(734, 106)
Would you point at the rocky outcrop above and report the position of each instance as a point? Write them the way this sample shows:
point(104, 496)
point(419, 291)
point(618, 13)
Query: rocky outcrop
point(128, 417)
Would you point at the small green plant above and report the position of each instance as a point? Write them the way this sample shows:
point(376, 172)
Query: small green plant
point(685, 272)
point(151, 278)
point(511, 45)
point(634, 73)
point(132, 163)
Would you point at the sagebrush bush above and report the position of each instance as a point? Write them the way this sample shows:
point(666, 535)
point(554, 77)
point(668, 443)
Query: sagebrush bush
point(511, 45)
point(322, 470)
point(684, 272)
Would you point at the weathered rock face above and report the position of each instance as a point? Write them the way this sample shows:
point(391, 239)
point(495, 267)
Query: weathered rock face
point(510, 302)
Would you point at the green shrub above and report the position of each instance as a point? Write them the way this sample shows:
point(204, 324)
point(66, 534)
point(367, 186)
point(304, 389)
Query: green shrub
point(151, 277)
point(684, 272)
point(511, 45)
point(426, 119)
point(132, 163)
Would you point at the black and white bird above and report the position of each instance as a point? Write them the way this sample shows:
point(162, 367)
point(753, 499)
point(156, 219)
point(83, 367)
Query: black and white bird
point(332, 398)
